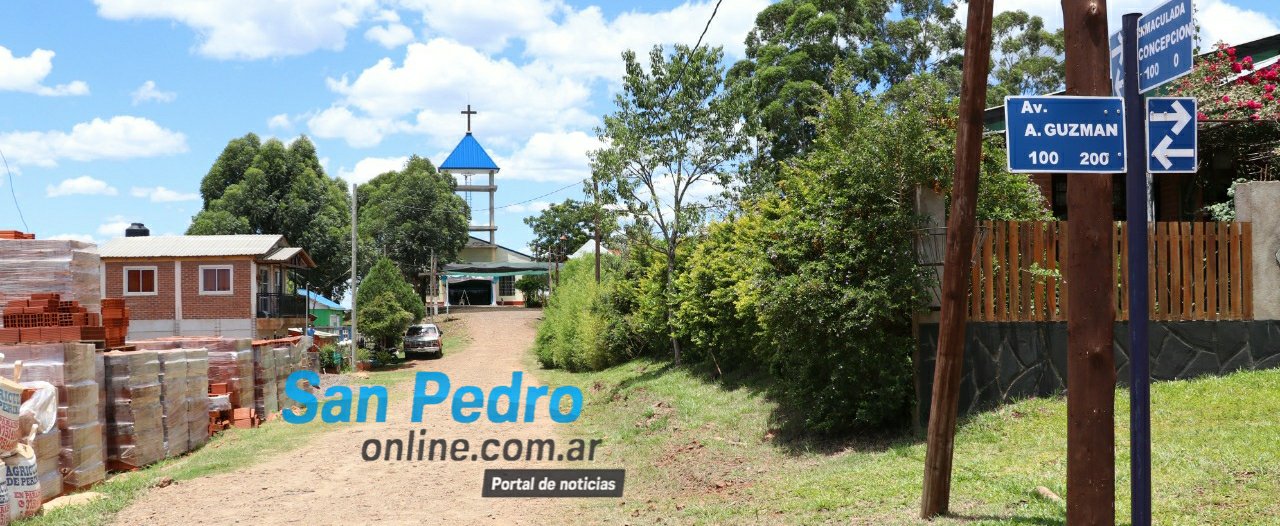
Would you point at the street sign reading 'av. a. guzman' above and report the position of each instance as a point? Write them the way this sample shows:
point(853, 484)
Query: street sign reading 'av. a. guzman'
point(1166, 43)
point(1065, 134)
point(1171, 135)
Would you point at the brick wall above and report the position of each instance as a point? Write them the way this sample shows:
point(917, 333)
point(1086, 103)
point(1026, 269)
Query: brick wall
point(156, 307)
point(196, 306)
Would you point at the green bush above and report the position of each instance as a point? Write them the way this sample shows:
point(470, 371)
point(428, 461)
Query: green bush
point(534, 289)
point(571, 335)
point(384, 320)
point(718, 294)
point(386, 278)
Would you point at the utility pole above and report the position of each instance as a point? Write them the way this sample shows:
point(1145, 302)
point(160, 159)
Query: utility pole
point(957, 264)
point(595, 194)
point(1091, 283)
point(353, 276)
point(434, 287)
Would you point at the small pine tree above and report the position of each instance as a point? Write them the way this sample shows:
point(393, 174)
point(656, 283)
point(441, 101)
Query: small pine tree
point(384, 320)
point(384, 277)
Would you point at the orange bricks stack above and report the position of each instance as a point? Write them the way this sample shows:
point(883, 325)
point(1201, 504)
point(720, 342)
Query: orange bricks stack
point(115, 321)
point(14, 234)
point(46, 318)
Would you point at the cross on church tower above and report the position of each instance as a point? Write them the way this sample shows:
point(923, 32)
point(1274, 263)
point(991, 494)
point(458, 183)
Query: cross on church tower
point(469, 112)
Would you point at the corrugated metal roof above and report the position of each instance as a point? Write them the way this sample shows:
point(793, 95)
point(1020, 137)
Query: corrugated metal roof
point(191, 246)
point(282, 255)
point(468, 155)
point(319, 299)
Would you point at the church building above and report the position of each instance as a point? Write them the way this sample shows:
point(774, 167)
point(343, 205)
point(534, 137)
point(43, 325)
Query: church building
point(486, 271)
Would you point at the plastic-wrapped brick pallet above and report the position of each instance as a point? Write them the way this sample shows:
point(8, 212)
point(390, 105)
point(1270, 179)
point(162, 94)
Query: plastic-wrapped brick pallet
point(72, 369)
point(173, 401)
point(135, 432)
point(264, 380)
point(48, 446)
point(284, 366)
point(236, 369)
point(197, 397)
point(68, 268)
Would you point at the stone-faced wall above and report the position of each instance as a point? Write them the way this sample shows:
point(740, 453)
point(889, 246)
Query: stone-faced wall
point(1009, 361)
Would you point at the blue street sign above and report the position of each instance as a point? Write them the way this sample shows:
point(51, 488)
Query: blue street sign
point(1117, 65)
point(1166, 41)
point(1171, 135)
point(1065, 134)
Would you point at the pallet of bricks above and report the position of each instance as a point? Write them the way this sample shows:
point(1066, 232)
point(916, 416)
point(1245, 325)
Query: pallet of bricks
point(135, 426)
point(69, 454)
point(231, 390)
point(47, 317)
point(71, 269)
point(274, 361)
point(184, 384)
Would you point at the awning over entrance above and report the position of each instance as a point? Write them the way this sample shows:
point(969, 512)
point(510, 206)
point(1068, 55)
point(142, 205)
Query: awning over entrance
point(493, 269)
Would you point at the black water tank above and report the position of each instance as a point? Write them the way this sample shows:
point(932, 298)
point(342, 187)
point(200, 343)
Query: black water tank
point(137, 230)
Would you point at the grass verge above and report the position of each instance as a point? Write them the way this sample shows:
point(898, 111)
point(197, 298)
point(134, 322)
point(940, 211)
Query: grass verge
point(697, 452)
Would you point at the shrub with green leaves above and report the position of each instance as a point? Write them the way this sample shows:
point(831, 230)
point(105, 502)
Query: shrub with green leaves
point(383, 288)
point(384, 320)
point(571, 334)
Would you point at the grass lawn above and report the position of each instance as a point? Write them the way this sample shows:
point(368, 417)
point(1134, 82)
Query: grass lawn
point(696, 452)
point(233, 449)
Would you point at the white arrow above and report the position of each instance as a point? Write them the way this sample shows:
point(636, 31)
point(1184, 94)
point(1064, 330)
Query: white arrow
point(1179, 117)
point(1162, 152)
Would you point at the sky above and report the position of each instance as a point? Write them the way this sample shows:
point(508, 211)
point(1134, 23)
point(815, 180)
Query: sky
point(113, 110)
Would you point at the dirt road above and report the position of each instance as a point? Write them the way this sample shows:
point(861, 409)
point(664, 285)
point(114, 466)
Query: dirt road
point(327, 482)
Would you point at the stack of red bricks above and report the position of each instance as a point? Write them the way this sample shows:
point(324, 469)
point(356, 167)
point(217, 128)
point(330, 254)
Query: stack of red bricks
point(115, 321)
point(14, 234)
point(46, 318)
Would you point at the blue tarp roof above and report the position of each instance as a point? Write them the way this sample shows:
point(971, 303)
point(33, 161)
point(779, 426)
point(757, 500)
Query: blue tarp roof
point(328, 303)
point(468, 155)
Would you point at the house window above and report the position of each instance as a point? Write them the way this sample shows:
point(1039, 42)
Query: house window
point(139, 281)
point(215, 279)
point(506, 285)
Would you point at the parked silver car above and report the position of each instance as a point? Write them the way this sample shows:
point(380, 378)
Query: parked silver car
point(426, 338)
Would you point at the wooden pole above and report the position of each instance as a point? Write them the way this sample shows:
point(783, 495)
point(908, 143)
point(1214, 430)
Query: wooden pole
point(957, 263)
point(595, 193)
point(1091, 281)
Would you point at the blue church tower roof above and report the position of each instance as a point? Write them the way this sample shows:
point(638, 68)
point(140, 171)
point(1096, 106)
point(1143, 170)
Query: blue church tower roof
point(469, 155)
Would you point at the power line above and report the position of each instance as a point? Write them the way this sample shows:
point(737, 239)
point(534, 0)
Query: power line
point(714, 10)
point(14, 193)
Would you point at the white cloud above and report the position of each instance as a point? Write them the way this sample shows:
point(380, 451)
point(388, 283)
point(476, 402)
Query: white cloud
point(338, 122)
point(1219, 20)
point(280, 122)
point(528, 208)
point(83, 185)
point(1223, 22)
point(371, 167)
point(488, 25)
point(161, 194)
point(121, 137)
point(115, 226)
point(252, 30)
point(586, 44)
point(148, 92)
point(86, 238)
point(514, 101)
point(392, 35)
point(551, 157)
point(27, 74)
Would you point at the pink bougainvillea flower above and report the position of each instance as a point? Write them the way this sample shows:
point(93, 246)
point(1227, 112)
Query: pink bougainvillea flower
point(1254, 117)
point(1200, 116)
point(1269, 88)
point(1231, 51)
point(1236, 67)
point(1226, 98)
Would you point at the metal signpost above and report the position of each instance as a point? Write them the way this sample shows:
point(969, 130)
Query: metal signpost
point(1065, 134)
point(1158, 47)
point(1166, 44)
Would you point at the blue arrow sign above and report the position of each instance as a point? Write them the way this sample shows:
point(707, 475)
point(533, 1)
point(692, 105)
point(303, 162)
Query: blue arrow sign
point(1166, 41)
point(1065, 134)
point(1117, 65)
point(1171, 135)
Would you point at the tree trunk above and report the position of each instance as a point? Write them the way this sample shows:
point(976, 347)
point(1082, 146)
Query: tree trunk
point(670, 291)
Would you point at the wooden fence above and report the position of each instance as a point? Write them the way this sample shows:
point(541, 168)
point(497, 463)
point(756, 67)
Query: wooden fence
point(1199, 271)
